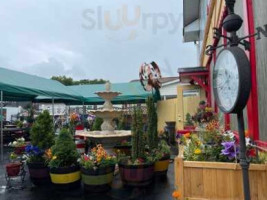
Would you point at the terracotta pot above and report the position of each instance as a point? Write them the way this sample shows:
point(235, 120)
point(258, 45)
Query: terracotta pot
point(126, 150)
point(39, 173)
point(65, 178)
point(136, 175)
point(161, 166)
point(98, 180)
point(13, 169)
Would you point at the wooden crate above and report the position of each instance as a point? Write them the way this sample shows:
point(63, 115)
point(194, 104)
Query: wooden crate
point(217, 180)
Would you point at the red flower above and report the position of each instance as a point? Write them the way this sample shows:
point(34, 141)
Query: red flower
point(86, 158)
point(251, 153)
point(141, 160)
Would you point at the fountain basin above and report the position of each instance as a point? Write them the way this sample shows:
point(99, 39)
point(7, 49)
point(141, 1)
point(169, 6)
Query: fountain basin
point(107, 138)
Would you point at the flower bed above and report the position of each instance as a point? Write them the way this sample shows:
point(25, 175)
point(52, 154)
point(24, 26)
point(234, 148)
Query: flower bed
point(208, 163)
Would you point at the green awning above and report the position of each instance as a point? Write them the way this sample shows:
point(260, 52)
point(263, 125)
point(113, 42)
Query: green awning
point(131, 92)
point(18, 86)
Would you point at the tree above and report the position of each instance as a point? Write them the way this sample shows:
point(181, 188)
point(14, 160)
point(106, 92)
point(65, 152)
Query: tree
point(42, 131)
point(69, 81)
point(63, 79)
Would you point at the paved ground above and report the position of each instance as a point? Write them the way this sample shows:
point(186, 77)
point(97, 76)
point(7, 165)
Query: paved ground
point(161, 189)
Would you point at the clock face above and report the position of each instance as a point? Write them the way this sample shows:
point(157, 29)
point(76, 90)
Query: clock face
point(226, 80)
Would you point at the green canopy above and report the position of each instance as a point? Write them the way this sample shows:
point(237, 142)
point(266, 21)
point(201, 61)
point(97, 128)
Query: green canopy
point(131, 92)
point(18, 86)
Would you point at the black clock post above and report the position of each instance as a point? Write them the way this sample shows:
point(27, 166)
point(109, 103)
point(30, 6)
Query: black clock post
point(232, 23)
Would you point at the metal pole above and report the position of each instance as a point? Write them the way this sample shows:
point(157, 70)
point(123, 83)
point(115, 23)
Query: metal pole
point(53, 110)
point(2, 118)
point(83, 118)
point(244, 163)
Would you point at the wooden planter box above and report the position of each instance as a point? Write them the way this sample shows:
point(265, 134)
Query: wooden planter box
point(217, 180)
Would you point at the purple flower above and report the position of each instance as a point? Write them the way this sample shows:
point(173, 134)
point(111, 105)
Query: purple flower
point(230, 150)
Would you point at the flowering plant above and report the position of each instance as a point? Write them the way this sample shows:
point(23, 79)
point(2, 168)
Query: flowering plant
point(13, 156)
point(125, 143)
point(204, 114)
point(35, 154)
point(19, 142)
point(74, 118)
point(98, 158)
point(163, 150)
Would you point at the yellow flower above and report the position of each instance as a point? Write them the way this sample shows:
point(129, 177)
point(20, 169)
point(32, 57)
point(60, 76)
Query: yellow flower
point(197, 151)
point(54, 157)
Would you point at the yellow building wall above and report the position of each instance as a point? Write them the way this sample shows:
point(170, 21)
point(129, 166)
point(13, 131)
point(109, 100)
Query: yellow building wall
point(187, 104)
point(215, 14)
point(166, 112)
point(176, 109)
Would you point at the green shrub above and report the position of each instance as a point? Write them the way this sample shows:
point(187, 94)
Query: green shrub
point(97, 124)
point(138, 142)
point(152, 128)
point(64, 153)
point(42, 131)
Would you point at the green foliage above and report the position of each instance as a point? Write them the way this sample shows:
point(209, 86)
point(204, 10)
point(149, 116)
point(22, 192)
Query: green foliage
point(138, 142)
point(69, 81)
point(42, 131)
point(188, 120)
point(64, 153)
point(97, 124)
point(19, 123)
point(162, 151)
point(30, 110)
point(122, 123)
point(152, 132)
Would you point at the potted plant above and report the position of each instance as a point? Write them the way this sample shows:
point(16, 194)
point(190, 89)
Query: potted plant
point(74, 121)
point(210, 163)
point(64, 167)
point(162, 157)
point(123, 148)
point(189, 124)
point(97, 169)
point(19, 145)
point(42, 138)
point(13, 168)
point(137, 170)
point(159, 148)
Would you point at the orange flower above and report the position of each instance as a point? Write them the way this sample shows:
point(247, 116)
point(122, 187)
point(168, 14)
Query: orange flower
point(48, 153)
point(176, 194)
point(246, 133)
point(187, 135)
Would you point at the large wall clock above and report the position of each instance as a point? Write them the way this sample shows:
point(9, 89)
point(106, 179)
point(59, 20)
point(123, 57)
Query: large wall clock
point(231, 80)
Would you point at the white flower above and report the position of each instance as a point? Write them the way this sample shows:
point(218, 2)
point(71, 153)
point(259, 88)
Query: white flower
point(15, 143)
point(10, 144)
point(248, 142)
point(229, 134)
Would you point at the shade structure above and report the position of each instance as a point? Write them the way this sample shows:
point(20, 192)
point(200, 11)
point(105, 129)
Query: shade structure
point(131, 92)
point(18, 86)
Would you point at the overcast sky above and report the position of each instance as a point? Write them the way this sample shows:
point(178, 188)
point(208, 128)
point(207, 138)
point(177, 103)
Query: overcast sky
point(88, 39)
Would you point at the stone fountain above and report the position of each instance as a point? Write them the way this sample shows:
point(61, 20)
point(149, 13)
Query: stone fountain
point(108, 136)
